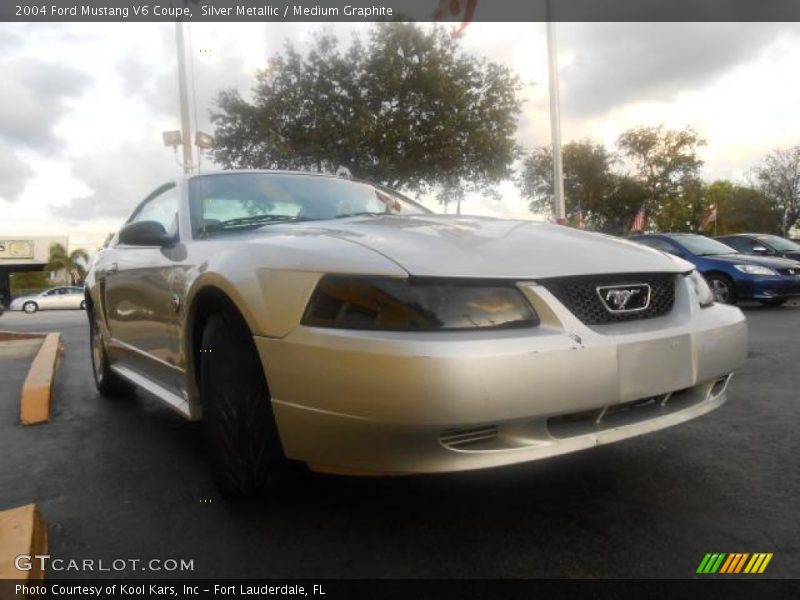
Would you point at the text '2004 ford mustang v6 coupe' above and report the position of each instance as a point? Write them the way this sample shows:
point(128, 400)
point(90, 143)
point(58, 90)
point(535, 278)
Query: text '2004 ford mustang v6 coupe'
point(340, 324)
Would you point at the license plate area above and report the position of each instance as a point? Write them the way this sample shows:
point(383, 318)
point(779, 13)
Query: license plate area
point(654, 367)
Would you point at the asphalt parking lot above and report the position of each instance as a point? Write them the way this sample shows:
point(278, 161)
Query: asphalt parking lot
point(126, 479)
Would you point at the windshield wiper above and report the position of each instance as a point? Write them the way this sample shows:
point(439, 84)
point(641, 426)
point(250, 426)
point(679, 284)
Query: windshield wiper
point(364, 213)
point(253, 221)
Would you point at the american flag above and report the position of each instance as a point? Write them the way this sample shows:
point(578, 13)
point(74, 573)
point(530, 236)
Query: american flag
point(576, 216)
point(639, 220)
point(710, 217)
point(465, 9)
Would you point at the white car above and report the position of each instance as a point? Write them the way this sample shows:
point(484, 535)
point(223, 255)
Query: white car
point(59, 298)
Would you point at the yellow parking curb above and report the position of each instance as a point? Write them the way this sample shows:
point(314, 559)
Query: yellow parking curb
point(23, 532)
point(13, 336)
point(37, 391)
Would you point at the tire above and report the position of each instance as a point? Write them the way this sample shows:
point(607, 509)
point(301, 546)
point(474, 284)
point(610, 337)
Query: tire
point(108, 383)
point(83, 305)
point(242, 443)
point(30, 307)
point(722, 288)
point(774, 301)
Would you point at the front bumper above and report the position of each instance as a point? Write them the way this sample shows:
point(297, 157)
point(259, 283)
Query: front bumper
point(357, 401)
point(767, 288)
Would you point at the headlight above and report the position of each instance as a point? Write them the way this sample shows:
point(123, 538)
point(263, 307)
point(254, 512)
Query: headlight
point(351, 302)
point(704, 294)
point(754, 270)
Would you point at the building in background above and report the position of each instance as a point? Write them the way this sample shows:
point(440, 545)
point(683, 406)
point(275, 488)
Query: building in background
point(20, 254)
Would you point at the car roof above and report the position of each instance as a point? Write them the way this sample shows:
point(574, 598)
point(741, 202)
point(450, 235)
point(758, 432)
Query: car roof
point(668, 234)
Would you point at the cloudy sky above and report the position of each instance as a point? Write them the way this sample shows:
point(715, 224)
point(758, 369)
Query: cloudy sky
point(83, 105)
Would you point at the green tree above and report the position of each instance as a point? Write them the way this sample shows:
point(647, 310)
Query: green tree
point(29, 280)
point(663, 160)
point(778, 177)
point(743, 209)
point(406, 108)
point(607, 200)
point(587, 176)
point(61, 260)
point(615, 215)
point(682, 211)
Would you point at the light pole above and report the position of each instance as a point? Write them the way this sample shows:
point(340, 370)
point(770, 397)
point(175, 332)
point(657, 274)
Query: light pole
point(555, 121)
point(188, 161)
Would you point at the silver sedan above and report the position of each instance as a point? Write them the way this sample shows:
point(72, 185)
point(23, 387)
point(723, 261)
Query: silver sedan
point(340, 324)
point(58, 298)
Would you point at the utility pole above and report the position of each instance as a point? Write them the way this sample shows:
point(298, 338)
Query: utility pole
point(186, 134)
point(555, 121)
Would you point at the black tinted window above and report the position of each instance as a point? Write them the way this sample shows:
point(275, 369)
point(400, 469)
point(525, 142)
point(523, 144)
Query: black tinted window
point(742, 244)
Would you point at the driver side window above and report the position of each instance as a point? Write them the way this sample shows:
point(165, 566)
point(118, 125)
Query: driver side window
point(162, 208)
point(659, 244)
point(742, 244)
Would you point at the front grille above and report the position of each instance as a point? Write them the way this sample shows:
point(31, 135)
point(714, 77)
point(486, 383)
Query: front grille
point(790, 272)
point(579, 295)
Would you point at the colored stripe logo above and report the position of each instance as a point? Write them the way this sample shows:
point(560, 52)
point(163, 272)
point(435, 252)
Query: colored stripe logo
point(734, 563)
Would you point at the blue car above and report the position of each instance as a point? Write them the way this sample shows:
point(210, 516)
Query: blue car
point(731, 275)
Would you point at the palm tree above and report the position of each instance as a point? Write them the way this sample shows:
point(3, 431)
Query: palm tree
point(60, 259)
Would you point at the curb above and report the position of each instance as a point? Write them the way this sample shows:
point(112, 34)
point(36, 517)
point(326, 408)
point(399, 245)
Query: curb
point(23, 531)
point(13, 336)
point(37, 391)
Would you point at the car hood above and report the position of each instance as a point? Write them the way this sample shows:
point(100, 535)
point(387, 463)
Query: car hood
point(750, 259)
point(451, 246)
point(792, 255)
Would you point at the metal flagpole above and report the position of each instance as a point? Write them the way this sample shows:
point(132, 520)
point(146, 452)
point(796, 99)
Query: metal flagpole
point(186, 134)
point(555, 120)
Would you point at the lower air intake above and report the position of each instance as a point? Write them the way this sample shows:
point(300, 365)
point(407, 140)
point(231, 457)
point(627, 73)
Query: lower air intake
point(462, 438)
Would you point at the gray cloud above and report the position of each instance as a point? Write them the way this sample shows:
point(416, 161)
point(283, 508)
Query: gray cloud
point(8, 39)
point(619, 63)
point(119, 180)
point(32, 100)
point(13, 174)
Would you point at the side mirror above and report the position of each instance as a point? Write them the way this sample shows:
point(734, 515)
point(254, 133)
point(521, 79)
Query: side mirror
point(760, 250)
point(145, 233)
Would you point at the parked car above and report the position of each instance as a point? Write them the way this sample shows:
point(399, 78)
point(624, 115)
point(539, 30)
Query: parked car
point(62, 298)
point(732, 276)
point(340, 324)
point(762, 244)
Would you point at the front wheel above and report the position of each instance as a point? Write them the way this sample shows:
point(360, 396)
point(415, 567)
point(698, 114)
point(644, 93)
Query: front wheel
point(722, 288)
point(30, 307)
point(244, 450)
point(108, 383)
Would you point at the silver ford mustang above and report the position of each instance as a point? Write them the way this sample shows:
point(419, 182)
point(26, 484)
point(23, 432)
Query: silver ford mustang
point(338, 323)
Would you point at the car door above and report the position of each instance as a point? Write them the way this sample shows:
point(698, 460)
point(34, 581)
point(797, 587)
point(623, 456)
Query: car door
point(66, 298)
point(75, 297)
point(137, 293)
point(50, 299)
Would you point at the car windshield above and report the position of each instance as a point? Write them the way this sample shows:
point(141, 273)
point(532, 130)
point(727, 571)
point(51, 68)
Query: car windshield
point(703, 246)
point(779, 243)
point(236, 201)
